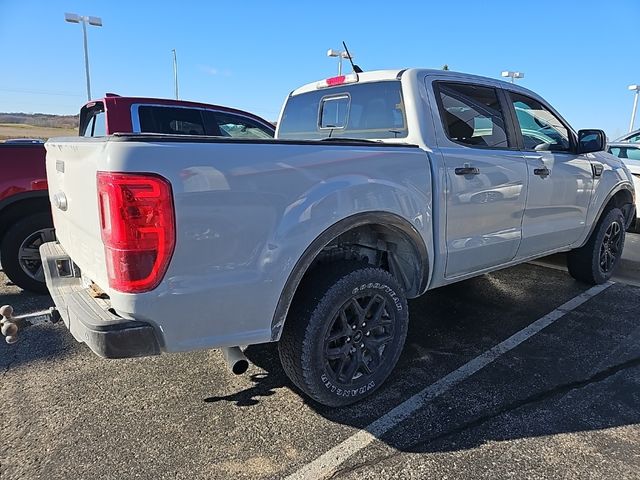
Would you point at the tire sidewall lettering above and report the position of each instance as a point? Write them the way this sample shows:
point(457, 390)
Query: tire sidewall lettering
point(379, 286)
point(344, 392)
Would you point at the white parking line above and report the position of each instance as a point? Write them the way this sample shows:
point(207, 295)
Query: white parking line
point(327, 463)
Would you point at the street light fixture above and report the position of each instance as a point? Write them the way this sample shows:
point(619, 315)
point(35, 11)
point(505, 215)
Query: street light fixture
point(340, 54)
point(84, 20)
point(636, 88)
point(512, 75)
point(175, 71)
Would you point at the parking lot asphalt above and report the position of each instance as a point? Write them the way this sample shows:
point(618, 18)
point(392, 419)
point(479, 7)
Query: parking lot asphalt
point(564, 402)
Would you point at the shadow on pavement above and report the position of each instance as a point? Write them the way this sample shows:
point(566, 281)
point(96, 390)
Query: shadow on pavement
point(581, 373)
point(265, 384)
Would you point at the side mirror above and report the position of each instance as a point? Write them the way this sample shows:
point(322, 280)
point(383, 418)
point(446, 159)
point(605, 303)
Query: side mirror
point(591, 141)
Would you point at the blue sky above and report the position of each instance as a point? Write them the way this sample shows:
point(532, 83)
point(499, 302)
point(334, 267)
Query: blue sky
point(579, 55)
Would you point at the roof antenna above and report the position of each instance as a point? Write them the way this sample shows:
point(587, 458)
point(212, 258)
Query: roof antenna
point(356, 68)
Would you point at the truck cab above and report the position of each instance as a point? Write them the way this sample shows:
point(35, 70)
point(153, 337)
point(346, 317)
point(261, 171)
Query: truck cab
point(519, 181)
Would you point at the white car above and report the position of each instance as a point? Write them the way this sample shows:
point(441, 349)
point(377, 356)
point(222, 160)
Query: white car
point(629, 153)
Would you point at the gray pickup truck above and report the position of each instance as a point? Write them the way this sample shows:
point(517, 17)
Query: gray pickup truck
point(378, 187)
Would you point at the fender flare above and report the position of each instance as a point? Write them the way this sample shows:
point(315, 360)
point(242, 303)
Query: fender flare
point(9, 207)
point(618, 188)
point(386, 219)
point(26, 195)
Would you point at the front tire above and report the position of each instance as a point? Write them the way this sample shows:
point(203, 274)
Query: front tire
point(344, 333)
point(19, 252)
point(595, 261)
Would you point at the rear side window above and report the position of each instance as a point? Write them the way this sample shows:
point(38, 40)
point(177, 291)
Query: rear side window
point(198, 121)
point(92, 121)
point(634, 139)
point(96, 126)
point(630, 153)
point(472, 115)
point(171, 120)
point(236, 126)
point(367, 110)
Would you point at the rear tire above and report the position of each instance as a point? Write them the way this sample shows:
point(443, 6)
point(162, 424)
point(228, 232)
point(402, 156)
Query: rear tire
point(323, 354)
point(19, 251)
point(595, 261)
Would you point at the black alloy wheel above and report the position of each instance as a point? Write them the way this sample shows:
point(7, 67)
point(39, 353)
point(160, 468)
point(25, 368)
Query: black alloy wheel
point(596, 260)
point(610, 249)
point(354, 346)
point(344, 332)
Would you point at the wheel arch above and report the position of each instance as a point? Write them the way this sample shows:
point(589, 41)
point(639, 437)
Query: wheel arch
point(21, 205)
point(388, 234)
point(621, 196)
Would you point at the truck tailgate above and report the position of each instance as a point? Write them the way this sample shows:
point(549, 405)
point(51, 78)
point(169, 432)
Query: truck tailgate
point(71, 171)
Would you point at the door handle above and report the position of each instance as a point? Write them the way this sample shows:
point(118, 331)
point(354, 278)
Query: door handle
point(541, 172)
point(467, 171)
point(532, 157)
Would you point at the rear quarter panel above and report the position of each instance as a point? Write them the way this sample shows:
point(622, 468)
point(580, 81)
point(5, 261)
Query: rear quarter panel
point(245, 213)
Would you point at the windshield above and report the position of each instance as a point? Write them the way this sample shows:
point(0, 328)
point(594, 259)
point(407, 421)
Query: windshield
point(367, 110)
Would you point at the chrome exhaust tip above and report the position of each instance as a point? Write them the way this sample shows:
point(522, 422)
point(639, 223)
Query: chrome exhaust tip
point(236, 361)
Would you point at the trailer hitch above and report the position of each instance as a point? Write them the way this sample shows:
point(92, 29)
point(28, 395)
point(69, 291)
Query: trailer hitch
point(12, 325)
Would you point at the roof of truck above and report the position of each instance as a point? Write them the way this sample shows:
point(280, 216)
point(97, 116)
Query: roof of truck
point(373, 76)
point(111, 99)
point(395, 74)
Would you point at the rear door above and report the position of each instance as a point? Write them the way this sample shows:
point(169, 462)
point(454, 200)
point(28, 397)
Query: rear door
point(560, 181)
point(486, 177)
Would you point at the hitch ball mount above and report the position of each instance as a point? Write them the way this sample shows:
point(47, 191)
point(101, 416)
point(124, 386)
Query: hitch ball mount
point(11, 325)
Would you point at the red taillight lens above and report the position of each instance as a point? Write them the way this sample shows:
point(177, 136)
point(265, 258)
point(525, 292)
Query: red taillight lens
point(137, 221)
point(339, 80)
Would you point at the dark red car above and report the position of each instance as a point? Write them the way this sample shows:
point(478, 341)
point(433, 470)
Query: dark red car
point(25, 212)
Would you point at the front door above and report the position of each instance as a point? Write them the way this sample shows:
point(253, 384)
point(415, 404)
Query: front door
point(560, 181)
point(485, 177)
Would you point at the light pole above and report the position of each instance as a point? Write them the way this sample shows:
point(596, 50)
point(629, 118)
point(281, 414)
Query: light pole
point(175, 71)
point(96, 22)
point(340, 54)
point(636, 88)
point(512, 75)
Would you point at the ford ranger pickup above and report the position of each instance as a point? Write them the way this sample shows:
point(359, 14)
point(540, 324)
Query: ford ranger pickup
point(378, 187)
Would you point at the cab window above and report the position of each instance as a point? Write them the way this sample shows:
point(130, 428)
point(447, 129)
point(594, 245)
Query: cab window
point(333, 112)
point(235, 126)
point(94, 124)
point(631, 153)
point(171, 120)
point(472, 115)
point(360, 110)
point(541, 129)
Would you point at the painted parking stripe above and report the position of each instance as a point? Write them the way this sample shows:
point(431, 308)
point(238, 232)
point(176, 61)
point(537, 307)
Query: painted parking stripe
point(327, 463)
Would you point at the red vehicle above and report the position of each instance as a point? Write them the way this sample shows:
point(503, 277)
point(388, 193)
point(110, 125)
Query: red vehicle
point(25, 212)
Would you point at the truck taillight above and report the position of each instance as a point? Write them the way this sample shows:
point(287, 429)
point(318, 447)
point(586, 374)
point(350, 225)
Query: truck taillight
point(137, 223)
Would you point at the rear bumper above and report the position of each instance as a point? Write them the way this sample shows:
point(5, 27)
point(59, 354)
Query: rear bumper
point(88, 318)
